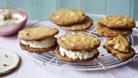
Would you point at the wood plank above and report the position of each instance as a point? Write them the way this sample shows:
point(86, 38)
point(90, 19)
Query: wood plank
point(70, 4)
point(3, 3)
point(24, 4)
point(42, 8)
point(94, 6)
point(135, 9)
point(118, 7)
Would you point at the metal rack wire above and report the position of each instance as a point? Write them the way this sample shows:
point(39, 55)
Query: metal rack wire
point(103, 62)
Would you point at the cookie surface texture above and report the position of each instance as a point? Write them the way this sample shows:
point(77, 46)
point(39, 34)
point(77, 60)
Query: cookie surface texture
point(78, 41)
point(117, 22)
point(109, 32)
point(120, 56)
point(87, 23)
point(37, 33)
point(67, 16)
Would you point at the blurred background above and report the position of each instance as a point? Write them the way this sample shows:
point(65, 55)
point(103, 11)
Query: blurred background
point(40, 9)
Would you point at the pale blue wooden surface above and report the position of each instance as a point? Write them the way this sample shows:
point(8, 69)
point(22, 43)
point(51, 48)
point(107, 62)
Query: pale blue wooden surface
point(70, 3)
point(3, 3)
point(40, 9)
point(135, 10)
point(94, 6)
point(121, 7)
point(25, 4)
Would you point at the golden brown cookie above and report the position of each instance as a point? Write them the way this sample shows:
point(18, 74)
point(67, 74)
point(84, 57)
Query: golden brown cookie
point(36, 50)
point(78, 41)
point(67, 59)
point(119, 47)
point(117, 22)
point(119, 43)
point(119, 55)
point(87, 23)
point(67, 16)
point(37, 33)
point(109, 32)
point(37, 39)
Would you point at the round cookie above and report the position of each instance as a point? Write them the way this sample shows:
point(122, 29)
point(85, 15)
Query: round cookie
point(108, 32)
point(37, 33)
point(80, 26)
point(117, 22)
point(67, 16)
point(67, 59)
point(37, 39)
point(9, 61)
point(78, 41)
point(119, 47)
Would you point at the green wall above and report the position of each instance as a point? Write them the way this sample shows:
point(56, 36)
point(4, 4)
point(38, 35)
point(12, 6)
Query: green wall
point(40, 9)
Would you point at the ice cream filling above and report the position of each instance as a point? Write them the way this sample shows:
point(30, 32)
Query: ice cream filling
point(7, 17)
point(77, 54)
point(40, 44)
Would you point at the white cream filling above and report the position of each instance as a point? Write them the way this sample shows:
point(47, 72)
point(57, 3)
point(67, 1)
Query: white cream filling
point(40, 44)
point(77, 54)
point(14, 18)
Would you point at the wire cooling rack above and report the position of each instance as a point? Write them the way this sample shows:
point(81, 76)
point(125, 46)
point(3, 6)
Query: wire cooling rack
point(103, 62)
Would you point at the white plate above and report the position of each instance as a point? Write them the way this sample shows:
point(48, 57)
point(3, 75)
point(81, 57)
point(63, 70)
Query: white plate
point(8, 61)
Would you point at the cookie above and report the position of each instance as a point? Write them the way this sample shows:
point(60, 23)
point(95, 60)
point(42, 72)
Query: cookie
point(109, 32)
point(37, 39)
point(119, 55)
point(9, 62)
point(87, 23)
point(77, 47)
point(67, 59)
point(37, 33)
point(78, 41)
point(67, 16)
point(119, 43)
point(117, 22)
point(119, 47)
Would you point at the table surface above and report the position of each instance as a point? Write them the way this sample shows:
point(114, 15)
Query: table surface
point(32, 69)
